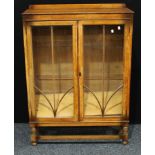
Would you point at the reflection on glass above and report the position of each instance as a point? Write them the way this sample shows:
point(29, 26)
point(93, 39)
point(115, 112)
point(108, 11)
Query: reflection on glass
point(52, 53)
point(103, 70)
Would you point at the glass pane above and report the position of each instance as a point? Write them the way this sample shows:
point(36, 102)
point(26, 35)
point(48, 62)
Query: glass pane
point(103, 70)
point(53, 67)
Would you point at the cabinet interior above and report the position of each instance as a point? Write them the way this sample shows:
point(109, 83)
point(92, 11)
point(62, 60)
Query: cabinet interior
point(53, 70)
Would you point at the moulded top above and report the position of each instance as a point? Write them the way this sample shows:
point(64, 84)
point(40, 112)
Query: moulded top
point(119, 8)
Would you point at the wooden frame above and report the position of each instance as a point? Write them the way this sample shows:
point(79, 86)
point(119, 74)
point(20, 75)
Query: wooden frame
point(30, 70)
point(78, 15)
point(127, 59)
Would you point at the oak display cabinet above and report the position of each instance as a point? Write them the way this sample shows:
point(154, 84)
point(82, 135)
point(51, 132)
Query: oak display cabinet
point(78, 64)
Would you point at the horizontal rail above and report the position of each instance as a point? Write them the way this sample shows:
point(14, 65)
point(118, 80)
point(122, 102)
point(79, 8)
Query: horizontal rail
point(79, 137)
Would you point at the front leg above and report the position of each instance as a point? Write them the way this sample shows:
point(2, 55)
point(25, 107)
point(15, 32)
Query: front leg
point(125, 129)
point(33, 136)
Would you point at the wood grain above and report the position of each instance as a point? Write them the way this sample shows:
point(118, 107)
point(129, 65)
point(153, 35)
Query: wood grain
point(77, 9)
point(76, 16)
point(79, 137)
point(66, 17)
point(77, 6)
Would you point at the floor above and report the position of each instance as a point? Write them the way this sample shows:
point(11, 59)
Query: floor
point(76, 147)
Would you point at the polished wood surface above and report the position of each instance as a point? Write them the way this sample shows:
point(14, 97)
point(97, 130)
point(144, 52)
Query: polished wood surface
point(80, 137)
point(77, 6)
point(77, 12)
point(68, 48)
point(66, 17)
point(77, 9)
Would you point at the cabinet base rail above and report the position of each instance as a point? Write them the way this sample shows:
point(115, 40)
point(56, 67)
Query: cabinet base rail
point(79, 137)
point(122, 135)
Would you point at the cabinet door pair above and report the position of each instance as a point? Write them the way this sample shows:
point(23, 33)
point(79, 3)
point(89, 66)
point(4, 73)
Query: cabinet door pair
point(78, 70)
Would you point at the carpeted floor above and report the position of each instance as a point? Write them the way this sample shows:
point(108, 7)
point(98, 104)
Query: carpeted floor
point(96, 147)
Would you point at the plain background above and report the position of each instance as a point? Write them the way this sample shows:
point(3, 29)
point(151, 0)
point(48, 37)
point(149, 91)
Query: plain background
point(20, 98)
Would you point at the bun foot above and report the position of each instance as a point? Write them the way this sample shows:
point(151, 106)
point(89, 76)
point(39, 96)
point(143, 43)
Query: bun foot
point(125, 142)
point(34, 143)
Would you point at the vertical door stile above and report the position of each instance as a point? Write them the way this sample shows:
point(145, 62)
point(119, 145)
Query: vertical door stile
point(52, 53)
point(75, 69)
point(103, 70)
point(81, 81)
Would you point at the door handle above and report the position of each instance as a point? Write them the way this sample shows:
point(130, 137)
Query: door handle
point(79, 73)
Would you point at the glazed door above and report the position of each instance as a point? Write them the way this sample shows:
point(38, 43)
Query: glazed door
point(54, 59)
point(101, 66)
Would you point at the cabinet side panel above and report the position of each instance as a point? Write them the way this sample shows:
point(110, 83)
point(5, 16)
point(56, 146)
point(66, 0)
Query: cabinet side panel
point(127, 67)
point(29, 71)
point(26, 68)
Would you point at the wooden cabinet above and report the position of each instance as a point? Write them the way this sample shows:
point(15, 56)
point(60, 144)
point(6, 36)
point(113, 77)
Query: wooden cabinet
point(78, 64)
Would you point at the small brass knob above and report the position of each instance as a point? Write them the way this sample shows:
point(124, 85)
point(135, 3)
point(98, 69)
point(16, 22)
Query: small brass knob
point(79, 73)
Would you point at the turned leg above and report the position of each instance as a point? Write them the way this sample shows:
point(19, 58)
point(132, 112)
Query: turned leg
point(33, 136)
point(125, 134)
